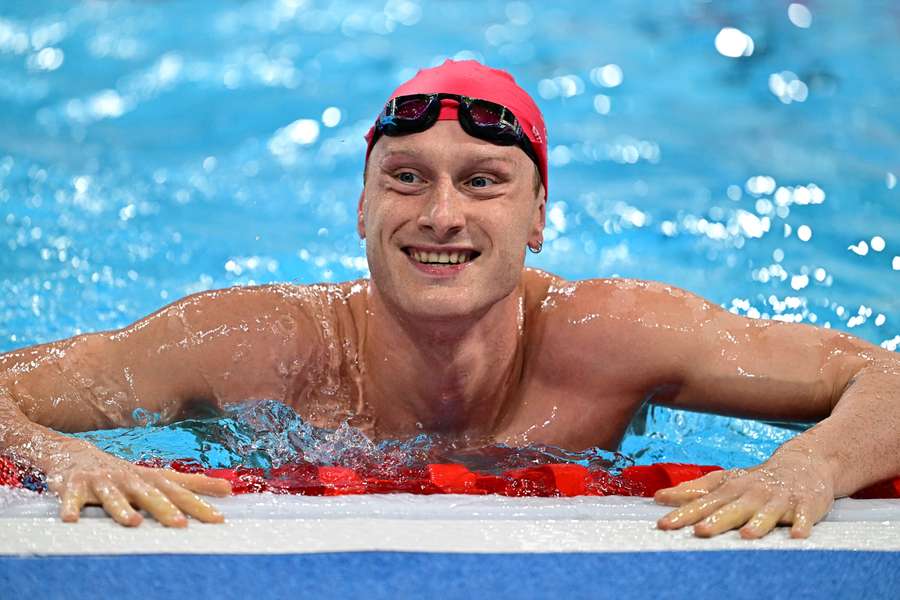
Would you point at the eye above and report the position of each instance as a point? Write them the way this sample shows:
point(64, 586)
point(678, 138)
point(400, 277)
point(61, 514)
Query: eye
point(480, 182)
point(406, 177)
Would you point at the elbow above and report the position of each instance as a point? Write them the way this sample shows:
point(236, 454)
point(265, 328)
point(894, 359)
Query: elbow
point(873, 371)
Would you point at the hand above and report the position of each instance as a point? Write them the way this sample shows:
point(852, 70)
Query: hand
point(84, 474)
point(792, 488)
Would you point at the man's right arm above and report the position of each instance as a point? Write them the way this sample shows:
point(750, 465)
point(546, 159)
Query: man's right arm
point(214, 347)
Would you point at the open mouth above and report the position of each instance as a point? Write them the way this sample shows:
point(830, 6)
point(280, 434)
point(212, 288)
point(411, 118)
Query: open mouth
point(443, 257)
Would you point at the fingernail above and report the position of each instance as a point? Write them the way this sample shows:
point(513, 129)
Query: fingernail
point(178, 522)
point(704, 531)
point(666, 524)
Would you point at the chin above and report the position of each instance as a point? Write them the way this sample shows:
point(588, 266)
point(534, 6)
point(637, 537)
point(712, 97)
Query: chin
point(471, 295)
point(444, 305)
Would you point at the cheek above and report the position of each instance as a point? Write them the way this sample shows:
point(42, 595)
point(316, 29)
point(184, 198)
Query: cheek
point(511, 234)
point(382, 223)
point(509, 246)
point(377, 217)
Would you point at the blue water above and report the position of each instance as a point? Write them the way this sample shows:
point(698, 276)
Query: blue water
point(266, 434)
point(150, 150)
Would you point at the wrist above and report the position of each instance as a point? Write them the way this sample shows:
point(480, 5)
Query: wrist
point(808, 452)
point(34, 444)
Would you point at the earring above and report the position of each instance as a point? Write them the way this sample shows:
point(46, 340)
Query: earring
point(537, 248)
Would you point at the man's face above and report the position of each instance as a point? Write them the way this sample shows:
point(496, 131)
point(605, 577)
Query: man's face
point(446, 218)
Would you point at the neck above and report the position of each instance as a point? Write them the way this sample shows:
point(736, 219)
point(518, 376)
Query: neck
point(450, 376)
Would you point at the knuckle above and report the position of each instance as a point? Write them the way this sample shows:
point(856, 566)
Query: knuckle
point(136, 485)
point(732, 474)
point(802, 500)
point(72, 480)
point(730, 487)
point(758, 495)
point(149, 475)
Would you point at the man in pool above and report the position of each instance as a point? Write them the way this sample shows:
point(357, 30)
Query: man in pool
point(453, 335)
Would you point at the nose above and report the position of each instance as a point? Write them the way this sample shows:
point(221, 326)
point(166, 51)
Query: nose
point(443, 215)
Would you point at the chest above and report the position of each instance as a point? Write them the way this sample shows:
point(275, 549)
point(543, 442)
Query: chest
point(571, 417)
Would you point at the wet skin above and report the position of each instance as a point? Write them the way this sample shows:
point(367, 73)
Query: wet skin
point(482, 351)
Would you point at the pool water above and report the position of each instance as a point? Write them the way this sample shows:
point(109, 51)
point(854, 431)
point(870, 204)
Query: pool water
point(151, 150)
point(267, 434)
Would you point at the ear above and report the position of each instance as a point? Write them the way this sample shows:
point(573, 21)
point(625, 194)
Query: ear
point(360, 215)
point(536, 234)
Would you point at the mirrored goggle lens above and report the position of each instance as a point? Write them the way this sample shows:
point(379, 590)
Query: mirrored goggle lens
point(411, 108)
point(490, 115)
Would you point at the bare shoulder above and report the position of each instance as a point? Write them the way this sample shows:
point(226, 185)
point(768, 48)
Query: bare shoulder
point(276, 320)
point(606, 300)
point(618, 322)
point(260, 302)
point(252, 341)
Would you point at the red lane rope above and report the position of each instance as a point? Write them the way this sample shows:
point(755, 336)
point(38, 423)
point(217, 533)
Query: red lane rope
point(556, 480)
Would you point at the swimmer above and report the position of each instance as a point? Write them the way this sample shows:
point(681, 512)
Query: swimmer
point(452, 335)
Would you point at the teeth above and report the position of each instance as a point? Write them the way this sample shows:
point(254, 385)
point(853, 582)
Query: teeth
point(457, 257)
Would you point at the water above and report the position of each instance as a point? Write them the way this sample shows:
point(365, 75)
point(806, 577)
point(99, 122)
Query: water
point(141, 160)
point(267, 434)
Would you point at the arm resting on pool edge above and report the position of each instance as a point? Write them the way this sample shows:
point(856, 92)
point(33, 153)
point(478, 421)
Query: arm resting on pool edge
point(774, 370)
point(855, 446)
point(218, 347)
point(691, 354)
point(860, 438)
point(80, 474)
point(768, 369)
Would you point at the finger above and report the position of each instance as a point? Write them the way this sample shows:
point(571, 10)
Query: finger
point(730, 516)
point(696, 510)
point(690, 490)
point(199, 483)
point(765, 519)
point(156, 503)
point(788, 517)
point(73, 499)
point(189, 502)
point(115, 504)
point(803, 521)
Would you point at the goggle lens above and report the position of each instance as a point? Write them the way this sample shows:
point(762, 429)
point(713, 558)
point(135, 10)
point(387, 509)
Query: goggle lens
point(487, 115)
point(411, 108)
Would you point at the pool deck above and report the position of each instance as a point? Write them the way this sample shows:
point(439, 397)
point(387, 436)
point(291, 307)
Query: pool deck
point(492, 542)
point(271, 524)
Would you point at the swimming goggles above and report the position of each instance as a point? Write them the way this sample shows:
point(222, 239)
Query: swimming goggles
point(479, 118)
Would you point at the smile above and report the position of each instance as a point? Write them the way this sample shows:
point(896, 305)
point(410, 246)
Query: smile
point(440, 257)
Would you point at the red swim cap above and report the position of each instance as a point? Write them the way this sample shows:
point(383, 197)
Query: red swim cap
point(473, 79)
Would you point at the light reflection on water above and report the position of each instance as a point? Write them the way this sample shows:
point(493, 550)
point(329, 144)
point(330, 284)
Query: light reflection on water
point(140, 162)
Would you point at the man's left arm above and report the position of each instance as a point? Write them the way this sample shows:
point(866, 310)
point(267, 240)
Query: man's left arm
point(856, 445)
point(728, 364)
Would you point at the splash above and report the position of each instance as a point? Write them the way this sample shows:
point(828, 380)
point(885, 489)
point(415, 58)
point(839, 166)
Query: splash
point(268, 434)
